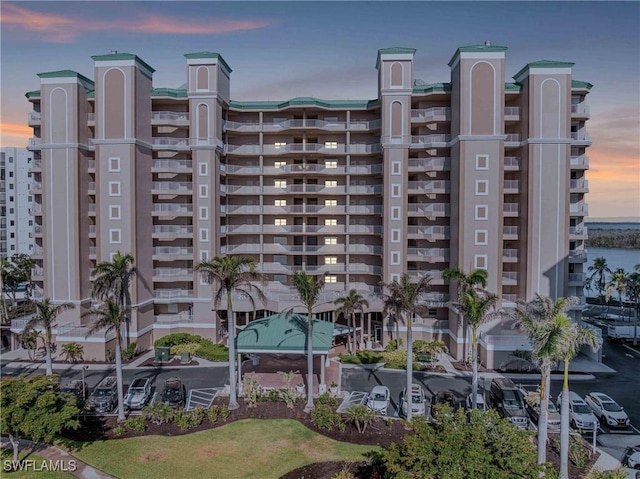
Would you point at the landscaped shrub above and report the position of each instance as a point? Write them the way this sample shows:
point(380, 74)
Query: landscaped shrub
point(224, 412)
point(213, 414)
point(395, 356)
point(182, 342)
point(158, 413)
point(73, 351)
point(578, 453)
point(190, 348)
point(212, 352)
point(361, 416)
point(326, 398)
point(136, 423)
point(252, 391)
point(129, 352)
point(620, 473)
point(119, 431)
point(349, 359)
point(344, 474)
point(325, 417)
point(393, 344)
point(188, 419)
point(178, 338)
point(363, 357)
point(272, 395)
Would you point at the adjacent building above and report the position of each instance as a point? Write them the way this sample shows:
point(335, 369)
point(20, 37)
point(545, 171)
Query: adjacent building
point(474, 172)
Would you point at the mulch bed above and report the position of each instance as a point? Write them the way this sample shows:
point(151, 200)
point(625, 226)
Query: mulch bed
point(462, 366)
point(174, 362)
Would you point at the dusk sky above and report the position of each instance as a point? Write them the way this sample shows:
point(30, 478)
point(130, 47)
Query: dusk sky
point(280, 50)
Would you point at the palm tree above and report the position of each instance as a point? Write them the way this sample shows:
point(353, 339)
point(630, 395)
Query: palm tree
point(575, 338)
point(409, 296)
point(46, 314)
point(113, 280)
point(5, 269)
point(546, 325)
point(633, 293)
point(349, 304)
point(477, 306)
point(599, 270)
point(392, 309)
point(109, 316)
point(227, 275)
point(618, 282)
point(309, 288)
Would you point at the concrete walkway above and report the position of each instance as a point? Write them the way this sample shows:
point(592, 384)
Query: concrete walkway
point(63, 460)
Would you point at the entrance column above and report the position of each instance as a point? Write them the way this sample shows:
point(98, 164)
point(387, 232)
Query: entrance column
point(322, 361)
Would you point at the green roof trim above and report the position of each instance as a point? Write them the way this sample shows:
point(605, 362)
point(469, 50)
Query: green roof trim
point(286, 333)
point(65, 74)
point(91, 94)
point(392, 50)
point(304, 101)
point(512, 87)
point(190, 56)
point(170, 92)
point(581, 85)
point(32, 94)
point(543, 64)
point(122, 56)
point(477, 48)
point(432, 88)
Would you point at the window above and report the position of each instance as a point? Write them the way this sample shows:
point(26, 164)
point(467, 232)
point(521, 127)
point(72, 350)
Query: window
point(114, 164)
point(11, 197)
point(395, 213)
point(280, 183)
point(280, 203)
point(280, 222)
point(114, 212)
point(331, 145)
point(29, 198)
point(12, 223)
point(278, 145)
point(395, 277)
point(482, 162)
point(395, 168)
point(204, 191)
point(12, 235)
point(204, 254)
point(480, 261)
point(330, 279)
point(330, 183)
point(114, 188)
point(482, 212)
point(330, 260)
point(331, 202)
point(482, 187)
point(395, 257)
point(11, 186)
point(395, 236)
point(11, 174)
point(482, 237)
point(395, 191)
point(331, 163)
point(330, 222)
point(280, 164)
point(203, 169)
point(204, 234)
point(114, 236)
point(204, 213)
point(330, 240)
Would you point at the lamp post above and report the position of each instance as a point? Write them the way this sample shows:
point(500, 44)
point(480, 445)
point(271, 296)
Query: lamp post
point(84, 388)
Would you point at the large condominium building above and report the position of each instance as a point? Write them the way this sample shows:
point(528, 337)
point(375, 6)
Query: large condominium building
point(16, 202)
point(469, 173)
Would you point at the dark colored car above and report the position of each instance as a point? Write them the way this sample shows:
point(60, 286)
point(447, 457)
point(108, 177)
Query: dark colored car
point(174, 392)
point(507, 399)
point(104, 397)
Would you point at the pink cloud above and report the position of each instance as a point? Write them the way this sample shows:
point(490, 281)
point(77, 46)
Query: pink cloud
point(63, 29)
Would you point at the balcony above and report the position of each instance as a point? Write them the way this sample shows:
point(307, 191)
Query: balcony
point(510, 278)
point(575, 279)
point(580, 137)
point(92, 231)
point(173, 274)
point(92, 252)
point(36, 166)
point(511, 163)
point(91, 166)
point(170, 118)
point(440, 163)
point(577, 232)
point(578, 209)
point(579, 186)
point(513, 138)
point(359, 229)
point(356, 248)
point(577, 256)
point(326, 148)
point(178, 144)
point(248, 209)
point(430, 255)
point(580, 162)
point(512, 113)
point(91, 187)
point(92, 209)
point(34, 118)
point(171, 210)
point(173, 293)
point(362, 268)
point(35, 188)
point(183, 317)
point(171, 253)
point(37, 232)
point(37, 274)
point(511, 210)
point(580, 110)
point(511, 187)
point(425, 141)
point(172, 231)
point(510, 232)
point(430, 210)
point(171, 188)
point(172, 166)
point(510, 255)
point(247, 248)
point(438, 113)
point(307, 123)
point(38, 251)
point(364, 209)
point(364, 189)
point(34, 143)
point(430, 233)
point(35, 209)
point(248, 228)
point(429, 187)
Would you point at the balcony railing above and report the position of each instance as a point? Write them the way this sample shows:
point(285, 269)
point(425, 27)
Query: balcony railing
point(581, 161)
point(34, 116)
point(172, 229)
point(35, 141)
point(172, 272)
point(511, 209)
point(35, 187)
point(580, 109)
point(424, 140)
point(575, 277)
point(170, 115)
point(433, 113)
point(509, 276)
point(579, 136)
point(176, 142)
point(582, 185)
point(512, 138)
point(511, 111)
point(170, 209)
point(511, 230)
point(578, 231)
point(511, 163)
point(578, 209)
point(429, 254)
point(173, 293)
point(183, 317)
point(510, 254)
point(511, 186)
point(429, 186)
point(431, 232)
point(172, 165)
point(173, 186)
point(440, 163)
point(172, 251)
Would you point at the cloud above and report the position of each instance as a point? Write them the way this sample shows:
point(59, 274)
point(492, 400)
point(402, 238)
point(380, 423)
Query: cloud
point(17, 130)
point(65, 29)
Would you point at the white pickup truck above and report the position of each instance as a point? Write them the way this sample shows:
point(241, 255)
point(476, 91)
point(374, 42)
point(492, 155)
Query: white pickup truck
point(622, 331)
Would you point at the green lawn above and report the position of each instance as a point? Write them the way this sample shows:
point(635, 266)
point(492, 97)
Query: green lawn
point(250, 448)
point(7, 455)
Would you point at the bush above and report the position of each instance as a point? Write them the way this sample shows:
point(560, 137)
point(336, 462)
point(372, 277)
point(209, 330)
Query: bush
point(393, 344)
point(158, 413)
point(212, 352)
point(370, 357)
point(395, 356)
point(349, 359)
point(272, 395)
point(178, 338)
point(188, 419)
point(178, 349)
point(213, 414)
point(344, 474)
point(595, 473)
point(224, 412)
point(324, 417)
point(119, 431)
point(361, 416)
point(252, 391)
point(136, 423)
point(130, 351)
point(326, 398)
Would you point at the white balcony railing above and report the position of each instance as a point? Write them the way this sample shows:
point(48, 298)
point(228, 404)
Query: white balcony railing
point(170, 115)
point(511, 111)
point(512, 137)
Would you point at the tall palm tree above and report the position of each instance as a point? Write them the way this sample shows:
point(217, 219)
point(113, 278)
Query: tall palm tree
point(5, 268)
point(309, 288)
point(633, 293)
point(109, 316)
point(227, 275)
point(477, 307)
point(546, 325)
point(46, 314)
point(599, 270)
point(392, 309)
point(478, 278)
point(410, 296)
point(575, 338)
point(618, 283)
point(113, 281)
point(348, 305)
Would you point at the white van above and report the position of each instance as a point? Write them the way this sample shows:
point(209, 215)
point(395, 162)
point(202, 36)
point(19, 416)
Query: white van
point(580, 414)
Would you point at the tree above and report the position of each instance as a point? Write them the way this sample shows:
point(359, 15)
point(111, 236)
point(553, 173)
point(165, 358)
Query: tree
point(73, 352)
point(309, 288)
point(391, 308)
point(23, 265)
point(5, 270)
point(46, 314)
point(409, 296)
point(461, 446)
point(348, 305)
point(618, 283)
point(477, 307)
point(546, 325)
point(110, 317)
point(30, 341)
point(599, 270)
point(575, 338)
point(113, 281)
point(633, 293)
point(232, 274)
point(32, 409)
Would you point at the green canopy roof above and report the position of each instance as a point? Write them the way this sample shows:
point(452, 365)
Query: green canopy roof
point(284, 333)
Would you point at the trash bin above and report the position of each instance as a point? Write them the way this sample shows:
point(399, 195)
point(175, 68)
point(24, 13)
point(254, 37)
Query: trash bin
point(162, 354)
point(185, 357)
point(255, 360)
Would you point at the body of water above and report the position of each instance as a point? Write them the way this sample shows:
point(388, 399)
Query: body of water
point(616, 258)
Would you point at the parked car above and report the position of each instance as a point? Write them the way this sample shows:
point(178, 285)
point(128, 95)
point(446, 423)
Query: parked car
point(174, 392)
point(104, 397)
point(634, 458)
point(418, 401)
point(507, 399)
point(480, 404)
point(444, 397)
point(532, 401)
point(580, 414)
point(378, 399)
point(77, 387)
point(607, 410)
point(138, 394)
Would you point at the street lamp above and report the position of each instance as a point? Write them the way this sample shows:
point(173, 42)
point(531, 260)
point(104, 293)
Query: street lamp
point(84, 387)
